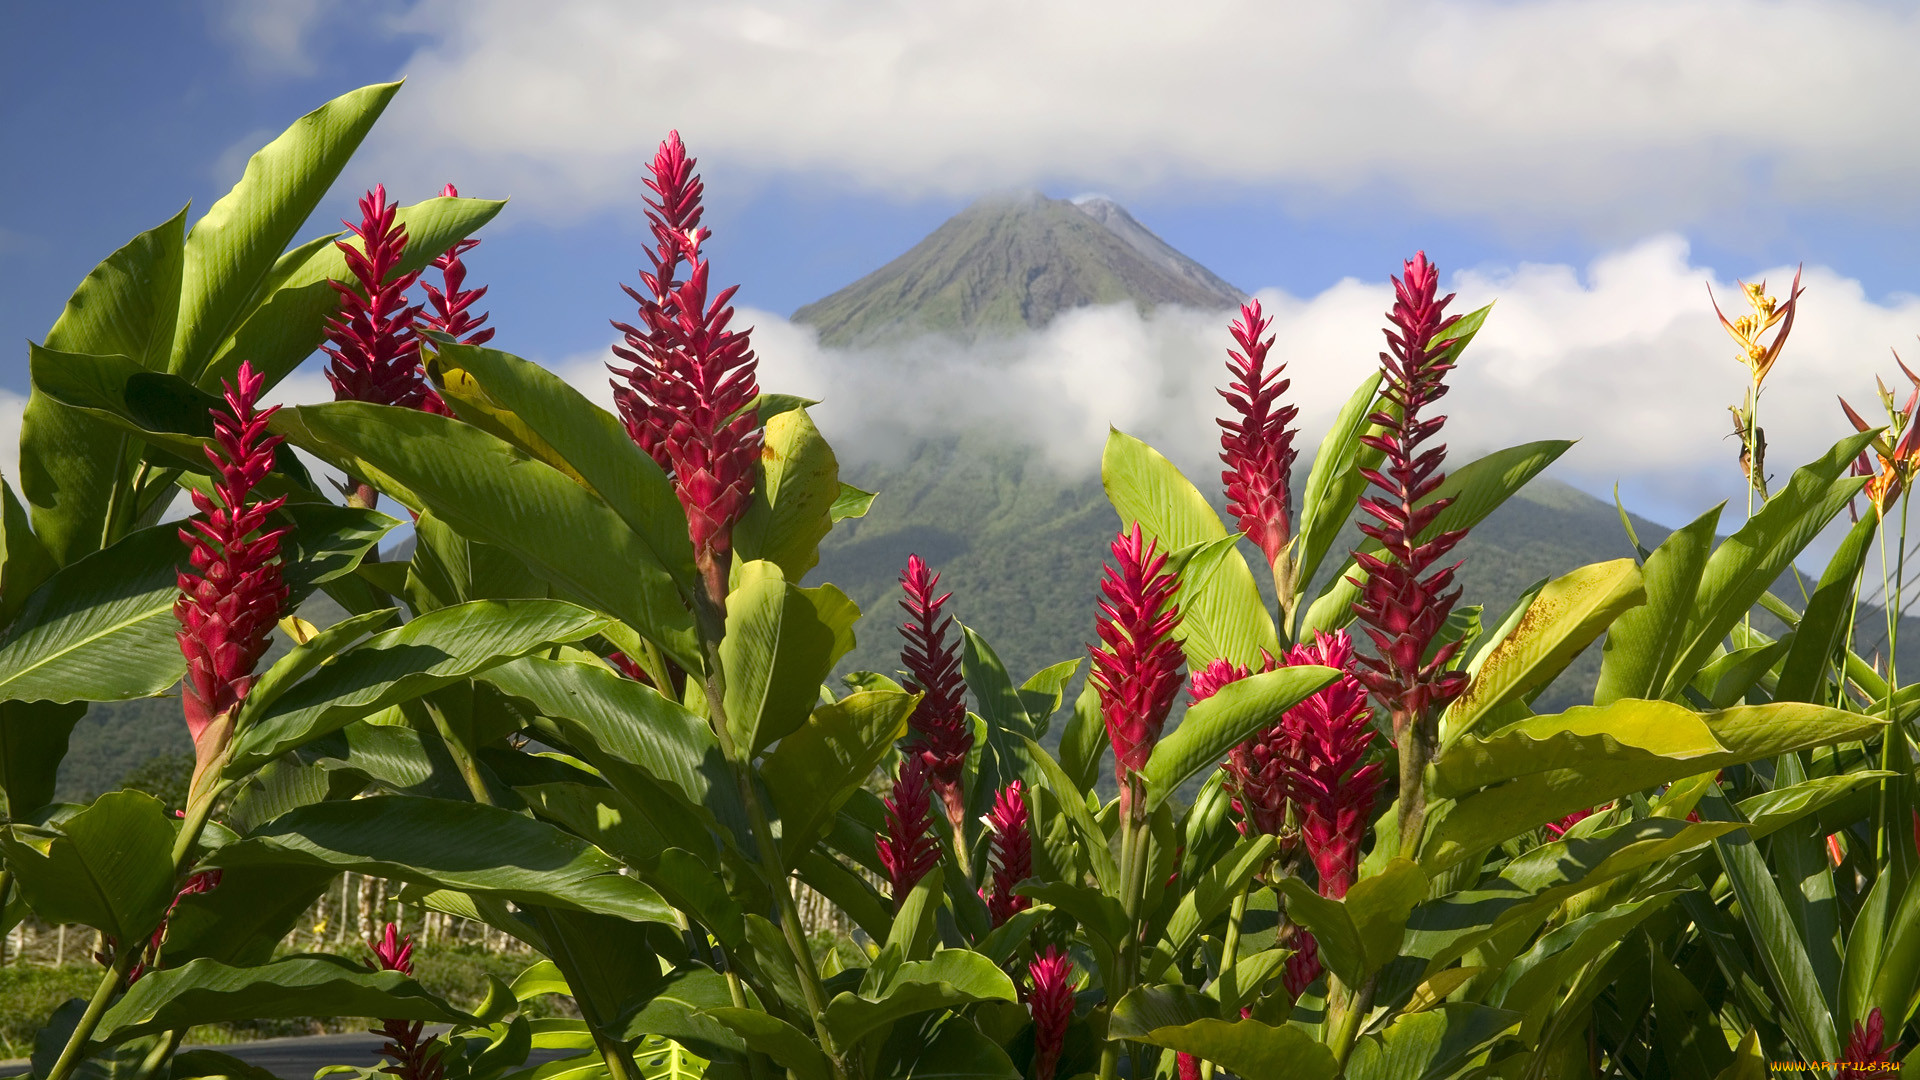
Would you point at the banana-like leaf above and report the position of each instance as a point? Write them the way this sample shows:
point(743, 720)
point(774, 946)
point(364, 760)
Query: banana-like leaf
point(1742, 569)
point(1531, 984)
point(103, 629)
point(451, 845)
point(1643, 643)
point(957, 1050)
point(1005, 720)
point(434, 650)
point(1222, 613)
point(1823, 628)
point(1181, 1020)
point(1477, 489)
point(1073, 804)
point(1430, 1045)
point(208, 992)
point(33, 741)
point(24, 561)
point(448, 568)
point(781, 643)
point(1567, 616)
point(953, 978)
point(493, 492)
point(1747, 733)
point(1334, 483)
point(71, 464)
point(235, 246)
point(851, 503)
point(675, 1011)
point(1084, 740)
point(787, 1045)
point(814, 769)
point(241, 920)
point(1224, 721)
point(1358, 935)
point(1212, 893)
point(1043, 691)
point(110, 866)
point(793, 499)
point(1572, 740)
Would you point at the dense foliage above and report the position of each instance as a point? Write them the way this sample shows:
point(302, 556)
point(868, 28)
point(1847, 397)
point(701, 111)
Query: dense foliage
point(593, 711)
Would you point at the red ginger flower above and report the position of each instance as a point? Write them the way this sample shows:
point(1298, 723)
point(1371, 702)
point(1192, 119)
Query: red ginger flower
point(1334, 793)
point(375, 351)
point(1558, 829)
point(1051, 1002)
point(1402, 610)
point(1188, 1065)
point(940, 732)
point(414, 1058)
point(1137, 671)
point(1011, 852)
point(1867, 1046)
point(446, 309)
point(1304, 965)
point(687, 397)
point(1258, 447)
point(907, 848)
point(228, 607)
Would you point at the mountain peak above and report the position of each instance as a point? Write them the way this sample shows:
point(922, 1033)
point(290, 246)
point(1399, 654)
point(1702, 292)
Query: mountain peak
point(1011, 262)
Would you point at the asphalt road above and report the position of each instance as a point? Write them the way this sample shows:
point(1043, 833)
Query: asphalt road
point(299, 1059)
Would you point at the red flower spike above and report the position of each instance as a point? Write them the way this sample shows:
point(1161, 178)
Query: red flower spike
point(1403, 610)
point(1328, 736)
point(1258, 446)
point(1558, 829)
point(371, 340)
point(1051, 1003)
point(1303, 966)
point(1867, 1046)
point(624, 665)
point(940, 732)
point(1188, 1065)
point(446, 308)
point(1011, 852)
point(230, 601)
point(1256, 769)
point(1136, 670)
point(687, 398)
point(413, 1058)
point(907, 848)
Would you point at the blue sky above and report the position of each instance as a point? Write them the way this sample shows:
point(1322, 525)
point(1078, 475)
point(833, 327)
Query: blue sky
point(1287, 147)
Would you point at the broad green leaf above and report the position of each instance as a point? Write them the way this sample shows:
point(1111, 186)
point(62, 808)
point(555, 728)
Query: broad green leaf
point(244, 918)
point(1572, 740)
point(1828, 618)
point(451, 845)
point(1004, 718)
point(1221, 611)
point(1145, 487)
point(1531, 983)
point(957, 1050)
point(234, 247)
point(1477, 489)
point(913, 922)
point(813, 770)
point(24, 562)
point(1429, 1045)
point(434, 650)
point(602, 816)
point(1365, 929)
point(851, 503)
point(1224, 721)
point(609, 961)
point(1341, 950)
point(793, 498)
point(675, 1011)
point(110, 866)
point(781, 643)
point(1043, 691)
point(1334, 483)
point(539, 979)
point(1742, 569)
point(1897, 976)
point(448, 568)
point(953, 978)
point(1748, 733)
point(1176, 1019)
point(1563, 620)
point(306, 657)
point(790, 1048)
point(103, 628)
point(1644, 641)
point(70, 463)
point(1084, 740)
point(33, 741)
point(538, 411)
point(288, 319)
point(208, 992)
point(1073, 804)
point(493, 492)
point(1212, 892)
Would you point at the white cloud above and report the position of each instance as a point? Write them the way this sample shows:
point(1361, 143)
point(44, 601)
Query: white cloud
point(12, 407)
point(1626, 116)
point(271, 36)
point(1625, 355)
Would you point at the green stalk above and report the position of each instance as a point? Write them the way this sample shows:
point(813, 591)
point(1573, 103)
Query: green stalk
point(161, 1053)
point(1755, 476)
point(1892, 738)
point(619, 1061)
point(1354, 1008)
point(1230, 953)
point(1133, 878)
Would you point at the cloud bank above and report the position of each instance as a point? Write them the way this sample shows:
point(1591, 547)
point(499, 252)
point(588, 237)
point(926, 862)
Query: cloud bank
point(1627, 117)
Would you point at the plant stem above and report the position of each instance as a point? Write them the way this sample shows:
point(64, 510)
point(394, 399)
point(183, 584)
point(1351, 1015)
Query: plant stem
point(1133, 876)
point(1892, 738)
point(110, 982)
point(1354, 1009)
point(1230, 953)
point(1414, 752)
point(160, 1054)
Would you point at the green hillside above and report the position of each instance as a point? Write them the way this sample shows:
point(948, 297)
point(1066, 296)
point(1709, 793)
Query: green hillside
point(1004, 265)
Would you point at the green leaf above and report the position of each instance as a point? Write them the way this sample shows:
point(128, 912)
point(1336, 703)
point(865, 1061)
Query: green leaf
point(1334, 484)
point(70, 463)
point(1224, 721)
point(530, 406)
point(1042, 693)
point(813, 770)
point(234, 247)
point(451, 845)
point(1221, 611)
point(1429, 1045)
point(110, 866)
point(434, 650)
point(1579, 737)
point(307, 657)
point(1083, 741)
point(793, 498)
point(1644, 641)
point(244, 918)
point(209, 992)
point(1742, 569)
point(33, 740)
point(913, 922)
point(779, 1040)
point(957, 1051)
point(1747, 733)
point(1562, 621)
point(103, 629)
point(1145, 487)
point(1179, 1020)
point(24, 562)
point(781, 643)
point(1898, 974)
point(287, 320)
point(851, 503)
point(1212, 892)
point(493, 492)
point(448, 568)
point(1477, 489)
point(1828, 618)
point(675, 1011)
point(953, 978)
point(1073, 804)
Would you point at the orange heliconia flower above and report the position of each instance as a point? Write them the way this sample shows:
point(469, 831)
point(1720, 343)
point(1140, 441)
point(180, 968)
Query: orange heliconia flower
point(1748, 331)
